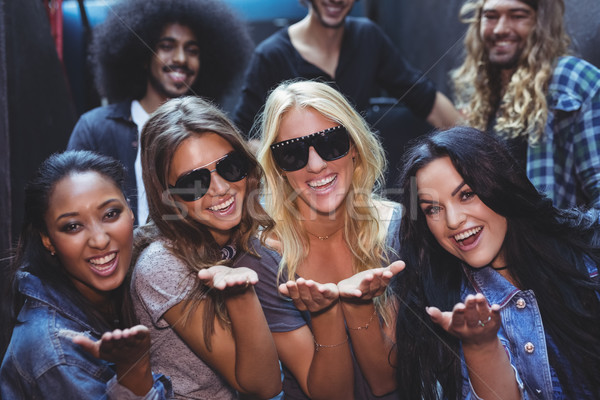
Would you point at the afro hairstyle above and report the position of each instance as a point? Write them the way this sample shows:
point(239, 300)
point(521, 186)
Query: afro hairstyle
point(123, 44)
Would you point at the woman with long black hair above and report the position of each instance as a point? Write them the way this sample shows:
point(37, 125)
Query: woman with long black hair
point(476, 229)
point(69, 290)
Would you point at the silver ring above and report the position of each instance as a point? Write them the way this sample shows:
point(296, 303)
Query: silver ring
point(482, 323)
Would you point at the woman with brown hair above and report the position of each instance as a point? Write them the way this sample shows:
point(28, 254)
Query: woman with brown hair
point(202, 184)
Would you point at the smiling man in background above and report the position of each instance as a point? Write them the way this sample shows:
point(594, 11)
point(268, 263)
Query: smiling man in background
point(146, 52)
point(352, 54)
point(518, 82)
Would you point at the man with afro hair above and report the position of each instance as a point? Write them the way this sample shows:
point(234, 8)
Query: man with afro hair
point(146, 52)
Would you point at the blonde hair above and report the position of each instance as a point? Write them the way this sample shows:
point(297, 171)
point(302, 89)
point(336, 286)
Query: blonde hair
point(363, 232)
point(522, 109)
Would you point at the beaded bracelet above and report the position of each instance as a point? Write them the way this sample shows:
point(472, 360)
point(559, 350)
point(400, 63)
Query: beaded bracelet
point(328, 346)
point(366, 326)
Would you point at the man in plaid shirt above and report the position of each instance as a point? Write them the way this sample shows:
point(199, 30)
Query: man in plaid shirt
point(518, 82)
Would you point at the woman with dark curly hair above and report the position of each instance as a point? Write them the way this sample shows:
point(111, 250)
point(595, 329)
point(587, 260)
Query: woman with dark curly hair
point(516, 278)
point(146, 52)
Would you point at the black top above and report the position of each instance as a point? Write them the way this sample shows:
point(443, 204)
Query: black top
point(518, 148)
point(368, 62)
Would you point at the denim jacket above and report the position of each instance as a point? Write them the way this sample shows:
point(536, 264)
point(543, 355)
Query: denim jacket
point(522, 331)
point(42, 361)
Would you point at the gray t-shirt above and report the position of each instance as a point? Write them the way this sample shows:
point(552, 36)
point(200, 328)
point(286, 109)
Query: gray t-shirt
point(160, 281)
point(283, 316)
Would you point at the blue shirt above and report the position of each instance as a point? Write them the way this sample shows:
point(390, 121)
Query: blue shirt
point(522, 331)
point(43, 362)
point(566, 163)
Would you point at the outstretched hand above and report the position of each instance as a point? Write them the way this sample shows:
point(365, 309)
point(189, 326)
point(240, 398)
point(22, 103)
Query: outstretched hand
point(473, 321)
point(221, 277)
point(122, 347)
point(310, 295)
point(368, 284)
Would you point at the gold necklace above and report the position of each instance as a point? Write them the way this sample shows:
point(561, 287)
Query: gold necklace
point(325, 237)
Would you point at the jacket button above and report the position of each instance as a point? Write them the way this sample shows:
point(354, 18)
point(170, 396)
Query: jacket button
point(529, 347)
point(521, 303)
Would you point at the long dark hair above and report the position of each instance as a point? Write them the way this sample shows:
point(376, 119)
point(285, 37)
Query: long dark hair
point(545, 250)
point(31, 256)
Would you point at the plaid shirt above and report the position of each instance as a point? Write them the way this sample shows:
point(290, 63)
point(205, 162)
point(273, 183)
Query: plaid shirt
point(566, 163)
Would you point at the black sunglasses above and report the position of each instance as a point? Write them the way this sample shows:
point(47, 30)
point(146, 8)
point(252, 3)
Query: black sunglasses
point(193, 185)
point(331, 144)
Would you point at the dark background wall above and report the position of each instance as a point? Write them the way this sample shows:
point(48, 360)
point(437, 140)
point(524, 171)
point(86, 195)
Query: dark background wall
point(5, 203)
point(36, 111)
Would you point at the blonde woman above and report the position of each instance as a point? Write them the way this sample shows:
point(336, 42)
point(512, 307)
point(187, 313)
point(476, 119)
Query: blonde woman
point(322, 288)
point(209, 333)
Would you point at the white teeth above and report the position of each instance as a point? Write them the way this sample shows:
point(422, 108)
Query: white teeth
point(98, 268)
point(321, 182)
point(222, 206)
point(177, 76)
point(103, 260)
point(464, 235)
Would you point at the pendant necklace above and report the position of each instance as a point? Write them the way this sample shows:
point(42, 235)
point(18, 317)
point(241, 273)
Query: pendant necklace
point(325, 237)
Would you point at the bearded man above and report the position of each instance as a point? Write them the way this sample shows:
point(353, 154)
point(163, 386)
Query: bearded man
point(149, 51)
point(519, 82)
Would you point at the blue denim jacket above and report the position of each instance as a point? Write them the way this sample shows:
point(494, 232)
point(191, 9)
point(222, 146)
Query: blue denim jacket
point(522, 331)
point(42, 361)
